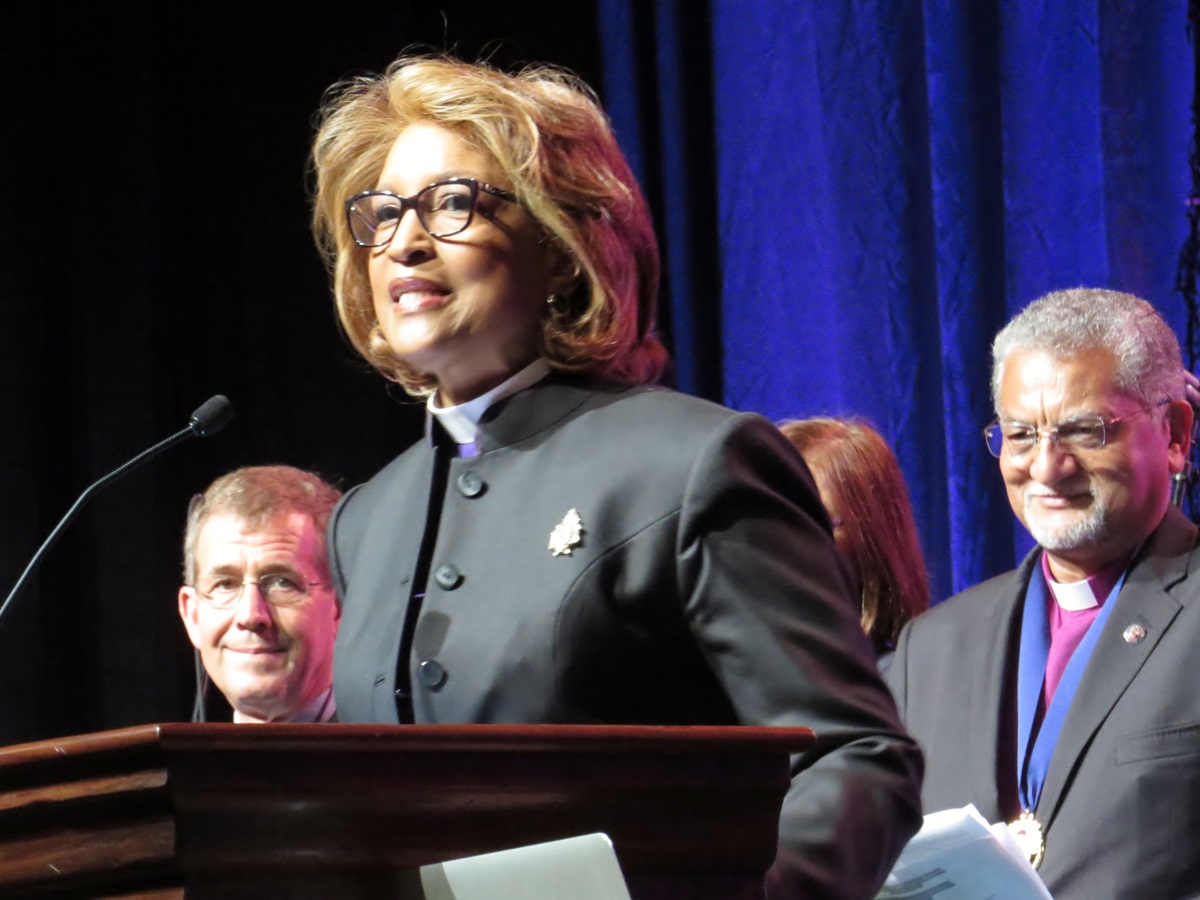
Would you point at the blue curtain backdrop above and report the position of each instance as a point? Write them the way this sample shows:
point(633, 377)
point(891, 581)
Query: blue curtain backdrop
point(854, 198)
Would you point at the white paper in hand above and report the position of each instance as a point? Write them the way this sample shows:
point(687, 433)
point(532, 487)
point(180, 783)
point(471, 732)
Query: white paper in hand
point(957, 855)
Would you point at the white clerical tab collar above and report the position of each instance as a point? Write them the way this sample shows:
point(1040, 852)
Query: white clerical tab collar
point(462, 422)
point(1074, 596)
point(1093, 591)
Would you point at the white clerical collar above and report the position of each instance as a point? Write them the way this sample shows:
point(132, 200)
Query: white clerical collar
point(1073, 596)
point(462, 422)
point(320, 709)
point(1090, 592)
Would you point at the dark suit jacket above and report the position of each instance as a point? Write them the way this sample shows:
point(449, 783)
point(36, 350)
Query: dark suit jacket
point(1121, 801)
point(705, 590)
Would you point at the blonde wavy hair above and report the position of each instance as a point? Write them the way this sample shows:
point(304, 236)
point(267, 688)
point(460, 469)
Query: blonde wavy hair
point(546, 130)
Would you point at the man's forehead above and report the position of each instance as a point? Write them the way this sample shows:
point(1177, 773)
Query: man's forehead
point(287, 533)
point(1054, 359)
point(1085, 377)
point(279, 520)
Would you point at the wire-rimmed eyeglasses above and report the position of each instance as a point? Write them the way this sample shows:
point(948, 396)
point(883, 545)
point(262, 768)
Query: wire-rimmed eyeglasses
point(443, 208)
point(1085, 433)
point(278, 588)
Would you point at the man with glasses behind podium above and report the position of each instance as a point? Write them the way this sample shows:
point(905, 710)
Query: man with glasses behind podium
point(258, 602)
point(1060, 697)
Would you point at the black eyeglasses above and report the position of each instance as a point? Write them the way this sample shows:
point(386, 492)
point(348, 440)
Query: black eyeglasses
point(1085, 433)
point(443, 208)
point(279, 589)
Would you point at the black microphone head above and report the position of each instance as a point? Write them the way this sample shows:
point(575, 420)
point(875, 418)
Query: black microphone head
point(213, 415)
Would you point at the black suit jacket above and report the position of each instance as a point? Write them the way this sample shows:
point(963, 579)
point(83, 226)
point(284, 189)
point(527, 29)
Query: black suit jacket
point(705, 589)
point(1121, 801)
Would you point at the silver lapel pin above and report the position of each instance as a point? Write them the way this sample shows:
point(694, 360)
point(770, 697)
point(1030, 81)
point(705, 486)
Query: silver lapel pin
point(566, 534)
point(1134, 634)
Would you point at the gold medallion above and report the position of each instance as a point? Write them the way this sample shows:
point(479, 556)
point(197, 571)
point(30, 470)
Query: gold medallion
point(1027, 832)
point(566, 534)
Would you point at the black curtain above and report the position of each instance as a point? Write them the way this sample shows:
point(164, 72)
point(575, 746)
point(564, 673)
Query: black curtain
point(156, 252)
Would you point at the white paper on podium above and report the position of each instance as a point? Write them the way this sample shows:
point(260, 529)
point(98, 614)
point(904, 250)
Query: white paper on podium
point(957, 855)
point(584, 868)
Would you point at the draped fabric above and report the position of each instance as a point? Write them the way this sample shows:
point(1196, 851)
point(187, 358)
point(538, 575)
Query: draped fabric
point(156, 251)
point(851, 198)
point(891, 183)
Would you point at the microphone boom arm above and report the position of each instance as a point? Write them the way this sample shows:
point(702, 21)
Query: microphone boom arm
point(208, 419)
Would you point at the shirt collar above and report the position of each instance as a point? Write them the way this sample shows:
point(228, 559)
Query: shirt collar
point(320, 709)
point(462, 422)
point(1090, 592)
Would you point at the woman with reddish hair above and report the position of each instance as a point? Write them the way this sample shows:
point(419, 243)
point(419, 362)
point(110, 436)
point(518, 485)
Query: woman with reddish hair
point(863, 490)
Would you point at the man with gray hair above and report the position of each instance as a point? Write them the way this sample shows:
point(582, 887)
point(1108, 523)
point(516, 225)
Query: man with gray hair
point(257, 601)
point(1059, 697)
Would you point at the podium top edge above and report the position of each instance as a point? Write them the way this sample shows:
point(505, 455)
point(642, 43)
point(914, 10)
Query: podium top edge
point(182, 737)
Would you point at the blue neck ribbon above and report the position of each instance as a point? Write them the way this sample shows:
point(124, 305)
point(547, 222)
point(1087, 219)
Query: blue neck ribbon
point(1033, 762)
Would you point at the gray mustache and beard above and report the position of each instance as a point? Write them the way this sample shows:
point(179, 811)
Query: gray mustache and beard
point(1080, 533)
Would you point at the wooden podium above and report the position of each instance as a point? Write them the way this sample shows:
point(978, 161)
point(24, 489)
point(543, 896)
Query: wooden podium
point(350, 811)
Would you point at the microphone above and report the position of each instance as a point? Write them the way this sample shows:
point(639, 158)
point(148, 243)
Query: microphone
point(212, 415)
point(1179, 483)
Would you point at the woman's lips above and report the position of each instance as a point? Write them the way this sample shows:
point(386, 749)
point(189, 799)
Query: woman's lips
point(420, 301)
point(415, 295)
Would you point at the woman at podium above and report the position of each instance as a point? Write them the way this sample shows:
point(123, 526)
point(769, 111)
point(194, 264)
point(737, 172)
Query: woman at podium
point(570, 543)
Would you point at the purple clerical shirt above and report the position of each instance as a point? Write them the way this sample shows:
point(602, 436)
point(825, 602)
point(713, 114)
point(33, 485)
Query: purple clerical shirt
point(1068, 626)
